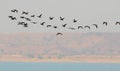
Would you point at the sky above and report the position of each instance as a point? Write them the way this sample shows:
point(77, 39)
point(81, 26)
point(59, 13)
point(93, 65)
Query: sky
point(87, 12)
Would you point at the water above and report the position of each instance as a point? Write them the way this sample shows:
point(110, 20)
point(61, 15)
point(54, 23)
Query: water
point(18, 66)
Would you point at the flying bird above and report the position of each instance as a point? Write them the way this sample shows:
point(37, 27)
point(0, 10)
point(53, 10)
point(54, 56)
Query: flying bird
point(71, 28)
point(42, 23)
point(22, 17)
point(105, 23)
point(49, 26)
point(95, 25)
point(80, 27)
point(61, 18)
point(87, 27)
point(51, 18)
point(74, 20)
point(59, 33)
point(117, 23)
point(32, 16)
point(40, 16)
point(12, 18)
point(34, 22)
point(21, 23)
point(28, 19)
point(64, 25)
point(25, 25)
point(15, 11)
point(55, 27)
point(26, 13)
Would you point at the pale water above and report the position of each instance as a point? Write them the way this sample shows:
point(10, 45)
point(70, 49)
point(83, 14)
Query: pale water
point(18, 66)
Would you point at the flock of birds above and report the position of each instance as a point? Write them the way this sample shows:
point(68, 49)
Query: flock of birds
point(50, 18)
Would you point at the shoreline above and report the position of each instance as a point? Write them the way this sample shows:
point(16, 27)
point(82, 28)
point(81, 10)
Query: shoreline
point(85, 59)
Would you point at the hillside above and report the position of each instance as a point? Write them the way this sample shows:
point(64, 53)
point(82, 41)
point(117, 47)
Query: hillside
point(70, 47)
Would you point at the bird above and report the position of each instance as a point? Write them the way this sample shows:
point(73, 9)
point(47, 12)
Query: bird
point(14, 11)
point(59, 34)
point(117, 23)
point(87, 27)
point(64, 25)
point(25, 25)
point(34, 22)
point(40, 16)
point(95, 25)
point(105, 23)
point(32, 16)
point(22, 17)
point(55, 27)
point(28, 19)
point(71, 28)
point(26, 13)
point(51, 18)
point(80, 27)
point(74, 20)
point(49, 26)
point(21, 23)
point(61, 18)
point(12, 18)
point(42, 23)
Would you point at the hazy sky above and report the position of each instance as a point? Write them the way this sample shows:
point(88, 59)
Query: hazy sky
point(88, 12)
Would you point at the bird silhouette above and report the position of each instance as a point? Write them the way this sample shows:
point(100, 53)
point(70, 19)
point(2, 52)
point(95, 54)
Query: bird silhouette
point(74, 20)
point(34, 22)
point(51, 18)
point(22, 17)
point(42, 23)
point(40, 16)
point(28, 19)
point(87, 27)
point(105, 23)
point(26, 13)
point(80, 27)
point(64, 25)
point(59, 33)
point(117, 23)
point(15, 11)
point(12, 18)
point(55, 27)
point(71, 28)
point(61, 18)
point(21, 23)
point(25, 25)
point(32, 16)
point(49, 26)
point(95, 25)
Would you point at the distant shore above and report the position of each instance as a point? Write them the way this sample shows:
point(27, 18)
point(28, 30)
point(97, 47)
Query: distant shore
point(88, 59)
